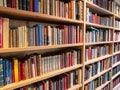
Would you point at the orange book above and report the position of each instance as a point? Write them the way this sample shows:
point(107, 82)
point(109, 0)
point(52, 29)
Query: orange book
point(16, 69)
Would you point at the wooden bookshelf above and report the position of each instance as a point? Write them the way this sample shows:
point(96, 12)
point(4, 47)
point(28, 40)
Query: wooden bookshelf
point(51, 19)
point(103, 85)
point(39, 78)
point(97, 59)
point(95, 76)
point(98, 26)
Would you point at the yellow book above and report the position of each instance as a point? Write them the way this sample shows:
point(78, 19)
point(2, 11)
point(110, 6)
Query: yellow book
point(16, 69)
point(41, 7)
point(5, 32)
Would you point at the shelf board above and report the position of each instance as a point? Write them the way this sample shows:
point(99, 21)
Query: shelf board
point(97, 25)
point(97, 59)
point(75, 87)
point(28, 15)
point(116, 41)
point(117, 17)
point(36, 48)
point(116, 64)
point(39, 78)
point(118, 52)
point(95, 76)
point(103, 85)
point(98, 9)
point(117, 29)
point(96, 43)
point(113, 77)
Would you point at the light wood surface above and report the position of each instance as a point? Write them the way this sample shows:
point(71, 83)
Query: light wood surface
point(97, 59)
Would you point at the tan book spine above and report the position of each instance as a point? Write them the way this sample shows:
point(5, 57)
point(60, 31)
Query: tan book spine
point(41, 5)
point(5, 32)
point(17, 4)
point(10, 38)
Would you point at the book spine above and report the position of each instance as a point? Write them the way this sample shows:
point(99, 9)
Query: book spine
point(1, 32)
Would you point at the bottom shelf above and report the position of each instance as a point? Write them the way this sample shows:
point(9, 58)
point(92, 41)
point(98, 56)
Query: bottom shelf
point(39, 78)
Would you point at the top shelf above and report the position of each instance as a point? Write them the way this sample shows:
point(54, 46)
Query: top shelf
point(27, 15)
point(98, 9)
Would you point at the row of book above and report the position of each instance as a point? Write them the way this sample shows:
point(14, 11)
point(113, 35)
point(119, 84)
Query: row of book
point(38, 35)
point(93, 52)
point(96, 68)
point(116, 58)
point(97, 35)
point(72, 9)
point(98, 82)
point(117, 24)
point(116, 47)
point(93, 17)
point(116, 81)
point(61, 82)
point(117, 8)
point(115, 70)
point(116, 36)
point(35, 65)
point(106, 4)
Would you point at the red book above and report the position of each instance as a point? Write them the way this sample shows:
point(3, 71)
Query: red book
point(77, 35)
point(89, 51)
point(1, 33)
point(19, 69)
point(31, 5)
point(65, 83)
point(22, 71)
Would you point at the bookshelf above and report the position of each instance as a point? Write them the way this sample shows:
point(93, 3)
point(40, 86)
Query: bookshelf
point(42, 18)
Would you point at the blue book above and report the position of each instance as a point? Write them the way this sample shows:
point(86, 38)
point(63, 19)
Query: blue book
point(90, 17)
point(4, 70)
point(10, 72)
point(36, 5)
point(1, 73)
point(7, 78)
point(39, 34)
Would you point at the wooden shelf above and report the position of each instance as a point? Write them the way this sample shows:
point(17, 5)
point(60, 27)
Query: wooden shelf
point(98, 9)
point(97, 25)
point(36, 48)
point(96, 43)
point(116, 64)
point(116, 41)
point(97, 59)
point(39, 78)
point(95, 76)
point(116, 52)
point(103, 85)
point(27, 15)
point(117, 29)
point(75, 87)
point(117, 17)
point(113, 77)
